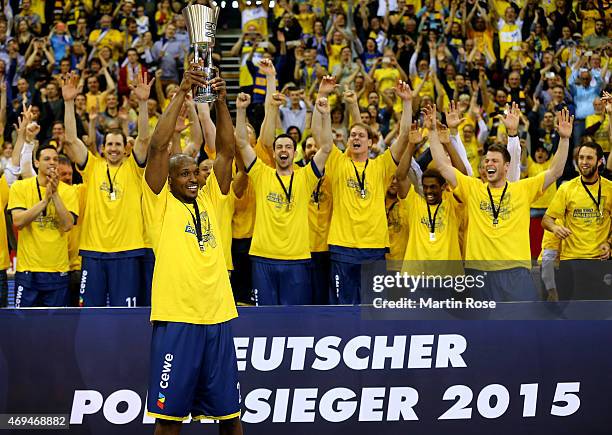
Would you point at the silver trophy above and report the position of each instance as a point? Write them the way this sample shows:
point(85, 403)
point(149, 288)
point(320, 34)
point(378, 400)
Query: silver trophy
point(201, 26)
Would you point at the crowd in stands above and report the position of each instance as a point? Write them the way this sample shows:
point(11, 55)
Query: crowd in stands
point(366, 130)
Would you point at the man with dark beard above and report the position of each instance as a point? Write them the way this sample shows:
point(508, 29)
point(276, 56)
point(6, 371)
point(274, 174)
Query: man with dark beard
point(585, 205)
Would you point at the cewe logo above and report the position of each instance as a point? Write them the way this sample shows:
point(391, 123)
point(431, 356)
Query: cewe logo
point(161, 400)
point(166, 369)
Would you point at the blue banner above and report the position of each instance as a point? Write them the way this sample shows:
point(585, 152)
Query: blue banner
point(328, 370)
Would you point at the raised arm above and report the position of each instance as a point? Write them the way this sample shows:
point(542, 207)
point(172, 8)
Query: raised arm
point(403, 180)
point(156, 172)
point(350, 99)
point(208, 127)
point(565, 123)
point(75, 148)
point(2, 106)
point(225, 141)
point(142, 90)
point(322, 132)
point(405, 93)
point(271, 105)
point(110, 83)
point(242, 136)
point(438, 153)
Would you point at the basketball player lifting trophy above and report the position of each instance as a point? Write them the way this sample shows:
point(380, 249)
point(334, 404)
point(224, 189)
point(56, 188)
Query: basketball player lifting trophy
point(201, 25)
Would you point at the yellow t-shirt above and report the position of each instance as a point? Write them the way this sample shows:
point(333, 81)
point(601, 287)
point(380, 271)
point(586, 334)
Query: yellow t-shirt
point(386, 78)
point(5, 261)
point(96, 102)
point(319, 215)
point(473, 151)
point(397, 223)
point(111, 39)
point(112, 225)
point(533, 170)
point(359, 222)
point(590, 227)
point(42, 246)
point(509, 36)
point(505, 245)
point(427, 89)
point(601, 135)
point(243, 219)
point(334, 56)
point(192, 287)
point(280, 225)
point(445, 243)
point(588, 21)
point(74, 236)
point(307, 22)
point(225, 211)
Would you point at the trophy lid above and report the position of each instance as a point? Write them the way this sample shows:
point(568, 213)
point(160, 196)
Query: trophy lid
point(201, 23)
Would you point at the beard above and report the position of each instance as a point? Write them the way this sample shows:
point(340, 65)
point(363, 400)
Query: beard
point(587, 173)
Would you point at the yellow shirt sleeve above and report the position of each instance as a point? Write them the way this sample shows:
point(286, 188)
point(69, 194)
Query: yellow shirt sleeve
point(556, 209)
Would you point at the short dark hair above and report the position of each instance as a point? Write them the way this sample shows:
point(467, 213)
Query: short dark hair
point(500, 149)
point(297, 128)
point(433, 173)
point(64, 160)
point(292, 89)
point(593, 145)
point(116, 131)
point(130, 20)
point(283, 135)
point(131, 49)
point(41, 148)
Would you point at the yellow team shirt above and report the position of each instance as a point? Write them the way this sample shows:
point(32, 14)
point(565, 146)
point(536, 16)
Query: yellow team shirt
point(359, 222)
point(112, 38)
point(5, 261)
point(445, 243)
point(397, 223)
point(386, 78)
point(319, 215)
point(192, 287)
point(96, 102)
point(112, 225)
point(590, 227)
point(533, 170)
point(601, 135)
point(509, 36)
point(280, 224)
point(428, 87)
point(474, 153)
point(74, 236)
point(225, 211)
point(334, 56)
point(588, 21)
point(307, 22)
point(505, 245)
point(42, 236)
point(243, 219)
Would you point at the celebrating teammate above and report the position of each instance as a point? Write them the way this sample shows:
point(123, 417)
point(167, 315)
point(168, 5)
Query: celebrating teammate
point(584, 205)
point(498, 213)
point(280, 250)
point(112, 242)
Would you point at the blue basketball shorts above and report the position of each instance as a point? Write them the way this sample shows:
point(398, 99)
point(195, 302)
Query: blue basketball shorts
point(193, 371)
point(41, 289)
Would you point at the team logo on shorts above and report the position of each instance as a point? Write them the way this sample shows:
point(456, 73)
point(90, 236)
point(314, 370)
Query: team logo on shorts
point(161, 400)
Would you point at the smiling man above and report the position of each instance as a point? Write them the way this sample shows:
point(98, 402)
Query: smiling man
point(192, 302)
point(280, 250)
point(584, 205)
point(112, 243)
point(358, 232)
point(43, 209)
point(498, 213)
